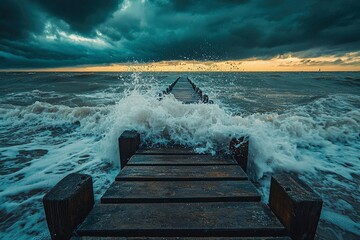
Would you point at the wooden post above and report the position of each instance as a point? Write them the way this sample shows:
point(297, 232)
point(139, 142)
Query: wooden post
point(67, 204)
point(296, 205)
point(239, 148)
point(129, 143)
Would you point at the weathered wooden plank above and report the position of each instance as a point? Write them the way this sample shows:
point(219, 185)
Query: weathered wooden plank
point(231, 219)
point(183, 91)
point(187, 100)
point(296, 205)
point(180, 191)
point(182, 238)
point(143, 173)
point(187, 90)
point(175, 150)
point(240, 151)
point(129, 142)
point(180, 160)
point(67, 204)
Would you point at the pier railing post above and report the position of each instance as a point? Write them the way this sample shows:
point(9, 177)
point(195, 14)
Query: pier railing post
point(129, 143)
point(296, 205)
point(67, 204)
point(239, 148)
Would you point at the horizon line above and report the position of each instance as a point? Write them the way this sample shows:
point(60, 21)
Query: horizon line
point(277, 64)
point(147, 71)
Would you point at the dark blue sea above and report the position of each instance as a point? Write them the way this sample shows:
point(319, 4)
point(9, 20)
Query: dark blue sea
point(53, 124)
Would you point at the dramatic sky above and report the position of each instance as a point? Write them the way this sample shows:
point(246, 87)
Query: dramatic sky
point(65, 33)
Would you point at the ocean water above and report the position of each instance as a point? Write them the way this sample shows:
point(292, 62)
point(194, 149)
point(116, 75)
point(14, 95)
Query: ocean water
point(53, 124)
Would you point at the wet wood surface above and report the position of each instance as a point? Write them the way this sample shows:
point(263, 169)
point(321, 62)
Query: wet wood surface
point(175, 193)
point(184, 92)
point(67, 204)
point(296, 205)
point(176, 150)
point(180, 191)
point(182, 219)
point(180, 160)
point(213, 172)
point(182, 238)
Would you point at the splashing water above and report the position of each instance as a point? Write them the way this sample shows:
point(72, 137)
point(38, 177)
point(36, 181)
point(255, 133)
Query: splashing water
point(57, 124)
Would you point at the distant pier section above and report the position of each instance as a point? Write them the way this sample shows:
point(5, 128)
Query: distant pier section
point(186, 91)
point(175, 193)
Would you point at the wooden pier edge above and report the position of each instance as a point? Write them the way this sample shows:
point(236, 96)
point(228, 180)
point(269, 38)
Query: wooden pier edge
point(67, 204)
point(129, 142)
point(293, 210)
point(239, 148)
point(296, 205)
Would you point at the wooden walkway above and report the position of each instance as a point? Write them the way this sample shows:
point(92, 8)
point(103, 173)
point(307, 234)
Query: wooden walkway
point(183, 91)
point(161, 193)
point(174, 193)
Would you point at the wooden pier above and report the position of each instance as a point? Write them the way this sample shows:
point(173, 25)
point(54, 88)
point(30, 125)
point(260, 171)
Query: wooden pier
point(174, 193)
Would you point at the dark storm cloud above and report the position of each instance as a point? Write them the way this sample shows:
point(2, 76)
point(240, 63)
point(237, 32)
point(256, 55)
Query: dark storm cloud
point(81, 15)
point(196, 5)
point(17, 20)
point(42, 33)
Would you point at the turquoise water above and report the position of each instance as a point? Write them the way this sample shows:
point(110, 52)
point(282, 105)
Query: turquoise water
point(52, 124)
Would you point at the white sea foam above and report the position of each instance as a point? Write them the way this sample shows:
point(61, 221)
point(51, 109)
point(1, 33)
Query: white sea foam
point(319, 141)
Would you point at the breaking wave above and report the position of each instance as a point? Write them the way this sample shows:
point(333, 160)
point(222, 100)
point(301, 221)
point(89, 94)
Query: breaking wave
point(44, 141)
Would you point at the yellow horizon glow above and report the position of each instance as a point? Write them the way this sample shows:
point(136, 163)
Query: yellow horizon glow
point(351, 62)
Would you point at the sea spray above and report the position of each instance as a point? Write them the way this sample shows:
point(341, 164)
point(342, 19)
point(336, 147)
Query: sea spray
point(49, 133)
point(318, 141)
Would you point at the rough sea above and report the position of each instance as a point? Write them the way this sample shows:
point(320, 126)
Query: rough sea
point(53, 124)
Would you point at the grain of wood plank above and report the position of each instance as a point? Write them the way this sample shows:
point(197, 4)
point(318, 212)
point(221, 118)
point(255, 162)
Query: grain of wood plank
point(217, 172)
point(180, 160)
point(231, 219)
point(177, 150)
point(180, 191)
point(182, 238)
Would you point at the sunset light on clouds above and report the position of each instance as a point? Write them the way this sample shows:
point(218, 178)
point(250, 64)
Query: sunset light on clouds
point(194, 91)
point(162, 35)
point(348, 62)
